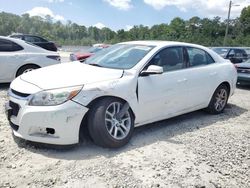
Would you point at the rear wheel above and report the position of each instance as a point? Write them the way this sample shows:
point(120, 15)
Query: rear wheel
point(219, 100)
point(110, 123)
point(25, 69)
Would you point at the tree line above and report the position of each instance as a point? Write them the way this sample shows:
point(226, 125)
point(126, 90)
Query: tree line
point(204, 31)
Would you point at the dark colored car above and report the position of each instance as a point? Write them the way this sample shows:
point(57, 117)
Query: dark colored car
point(80, 56)
point(243, 70)
point(36, 40)
point(235, 55)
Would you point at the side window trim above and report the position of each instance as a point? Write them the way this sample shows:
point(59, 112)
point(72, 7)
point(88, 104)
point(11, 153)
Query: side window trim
point(161, 49)
point(206, 53)
point(19, 48)
point(185, 57)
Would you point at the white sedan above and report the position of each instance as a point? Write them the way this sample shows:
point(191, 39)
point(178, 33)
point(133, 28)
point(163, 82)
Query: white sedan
point(129, 84)
point(18, 57)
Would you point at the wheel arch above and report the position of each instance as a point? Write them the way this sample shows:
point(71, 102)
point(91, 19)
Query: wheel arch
point(83, 131)
point(109, 96)
point(28, 64)
point(227, 84)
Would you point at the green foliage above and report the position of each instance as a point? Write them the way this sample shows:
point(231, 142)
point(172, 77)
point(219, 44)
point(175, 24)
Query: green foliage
point(208, 32)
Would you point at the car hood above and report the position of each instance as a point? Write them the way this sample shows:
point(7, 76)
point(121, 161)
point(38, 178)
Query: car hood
point(69, 74)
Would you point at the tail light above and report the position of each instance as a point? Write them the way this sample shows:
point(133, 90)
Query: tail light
point(54, 57)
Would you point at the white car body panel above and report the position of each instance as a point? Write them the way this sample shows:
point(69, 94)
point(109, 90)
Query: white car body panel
point(74, 73)
point(10, 62)
point(151, 98)
point(155, 93)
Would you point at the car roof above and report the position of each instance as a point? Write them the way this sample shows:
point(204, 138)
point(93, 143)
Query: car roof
point(20, 34)
point(26, 45)
point(240, 48)
point(13, 39)
point(159, 43)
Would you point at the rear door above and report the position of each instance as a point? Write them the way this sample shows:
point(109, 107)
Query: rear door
point(10, 58)
point(202, 77)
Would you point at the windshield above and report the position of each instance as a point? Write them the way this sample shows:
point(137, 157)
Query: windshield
point(119, 56)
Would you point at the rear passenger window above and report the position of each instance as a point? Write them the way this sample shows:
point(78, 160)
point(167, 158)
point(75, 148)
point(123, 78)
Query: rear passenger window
point(240, 53)
point(169, 59)
point(198, 57)
point(9, 46)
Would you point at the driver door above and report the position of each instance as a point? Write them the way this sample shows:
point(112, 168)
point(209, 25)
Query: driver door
point(163, 95)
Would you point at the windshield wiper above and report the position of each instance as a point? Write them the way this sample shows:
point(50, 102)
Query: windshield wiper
point(95, 64)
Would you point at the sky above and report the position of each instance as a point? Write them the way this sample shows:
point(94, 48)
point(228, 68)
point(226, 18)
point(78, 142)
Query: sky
point(122, 14)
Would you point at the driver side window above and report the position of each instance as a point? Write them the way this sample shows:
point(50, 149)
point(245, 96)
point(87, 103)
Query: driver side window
point(169, 59)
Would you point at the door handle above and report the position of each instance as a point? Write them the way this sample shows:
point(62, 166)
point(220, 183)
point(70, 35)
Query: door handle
point(213, 73)
point(182, 80)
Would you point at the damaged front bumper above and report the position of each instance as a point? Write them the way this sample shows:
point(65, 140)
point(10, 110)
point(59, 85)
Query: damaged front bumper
point(57, 125)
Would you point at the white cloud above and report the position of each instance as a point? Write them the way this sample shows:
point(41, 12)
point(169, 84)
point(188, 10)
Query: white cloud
point(99, 25)
point(55, 1)
point(44, 11)
point(128, 27)
point(208, 8)
point(120, 4)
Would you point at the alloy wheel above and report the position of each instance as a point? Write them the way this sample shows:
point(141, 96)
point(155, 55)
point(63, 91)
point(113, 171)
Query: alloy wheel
point(221, 99)
point(118, 128)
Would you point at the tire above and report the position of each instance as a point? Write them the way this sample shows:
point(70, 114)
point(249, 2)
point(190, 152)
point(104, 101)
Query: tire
point(26, 68)
point(105, 129)
point(219, 100)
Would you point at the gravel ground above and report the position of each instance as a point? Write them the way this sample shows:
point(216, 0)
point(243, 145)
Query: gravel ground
point(193, 150)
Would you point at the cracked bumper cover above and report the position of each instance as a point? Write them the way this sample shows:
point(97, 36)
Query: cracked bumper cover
point(32, 122)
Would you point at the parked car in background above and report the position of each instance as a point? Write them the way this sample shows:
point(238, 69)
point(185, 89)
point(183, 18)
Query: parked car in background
point(80, 56)
point(234, 54)
point(18, 57)
point(39, 41)
point(129, 84)
point(247, 49)
point(243, 70)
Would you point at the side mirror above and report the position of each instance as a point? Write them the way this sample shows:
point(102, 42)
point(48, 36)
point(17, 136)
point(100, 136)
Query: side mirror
point(152, 69)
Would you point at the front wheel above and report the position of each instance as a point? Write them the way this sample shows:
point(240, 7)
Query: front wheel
point(110, 123)
point(219, 100)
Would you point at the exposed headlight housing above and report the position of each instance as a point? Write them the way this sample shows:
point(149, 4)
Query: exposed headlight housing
point(54, 97)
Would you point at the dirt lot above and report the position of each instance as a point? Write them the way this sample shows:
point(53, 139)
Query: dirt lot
point(193, 150)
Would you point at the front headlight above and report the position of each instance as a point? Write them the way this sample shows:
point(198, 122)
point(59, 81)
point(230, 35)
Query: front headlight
point(54, 97)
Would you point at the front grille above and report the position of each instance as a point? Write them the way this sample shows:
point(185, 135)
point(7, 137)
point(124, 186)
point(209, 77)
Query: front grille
point(19, 93)
point(15, 108)
point(14, 126)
